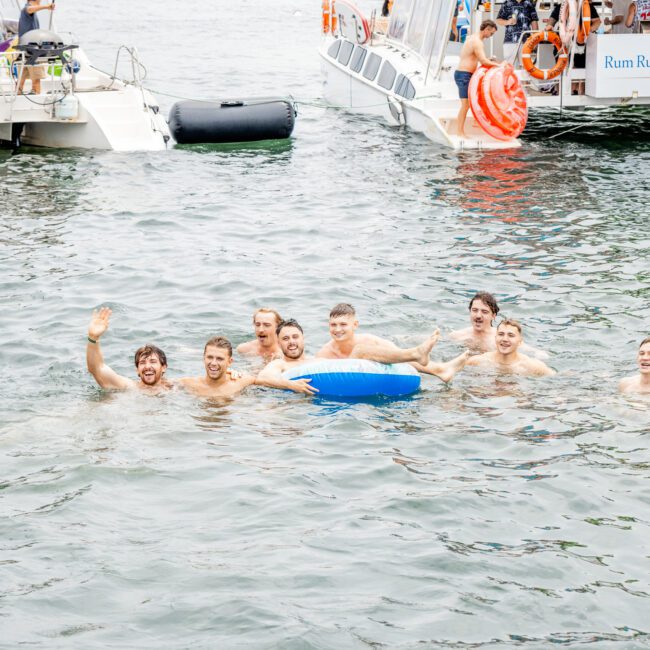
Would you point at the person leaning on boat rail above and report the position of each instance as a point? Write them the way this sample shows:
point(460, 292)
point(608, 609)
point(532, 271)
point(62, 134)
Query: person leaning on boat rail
point(638, 16)
point(471, 55)
point(518, 17)
point(27, 22)
point(620, 9)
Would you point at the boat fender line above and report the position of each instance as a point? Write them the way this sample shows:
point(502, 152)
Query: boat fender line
point(568, 21)
point(397, 110)
point(357, 377)
point(195, 122)
point(531, 45)
point(498, 101)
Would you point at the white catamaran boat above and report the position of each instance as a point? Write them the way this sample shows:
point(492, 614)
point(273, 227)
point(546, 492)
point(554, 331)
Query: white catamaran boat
point(79, 106)
point(404, 72)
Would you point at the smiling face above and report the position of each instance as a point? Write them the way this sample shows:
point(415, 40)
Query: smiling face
point(150, 369)
point(481, 316)
point(216, 361)
point(643, 358)
point(508, 339)
point(265, 323)
point(342, 328)
point(292, 342)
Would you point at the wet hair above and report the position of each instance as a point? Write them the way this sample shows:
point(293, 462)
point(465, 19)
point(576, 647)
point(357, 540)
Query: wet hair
point(147, 351)
point(278, 318)
point(488, 299)
point(290, 322)
point(342, 309)
point(645, 340)
point(512, 323)
point(219, 342)
point(487, 23)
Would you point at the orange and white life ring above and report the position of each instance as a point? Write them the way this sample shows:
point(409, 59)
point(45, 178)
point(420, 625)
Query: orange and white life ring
point(568, 21)
point(585, 28)
point(531, 45)
point(498, 101)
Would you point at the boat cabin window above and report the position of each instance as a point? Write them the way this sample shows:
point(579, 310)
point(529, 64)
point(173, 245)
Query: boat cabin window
point(333, 49)
point(358, 58)
point(370, 71)
point(345, 52)
point(387, 76)
point(404, 87)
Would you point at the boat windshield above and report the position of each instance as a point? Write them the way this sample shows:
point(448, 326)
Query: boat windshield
point(423, 26)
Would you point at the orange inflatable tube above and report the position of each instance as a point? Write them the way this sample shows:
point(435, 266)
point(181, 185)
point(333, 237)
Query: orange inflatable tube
point(498, 101)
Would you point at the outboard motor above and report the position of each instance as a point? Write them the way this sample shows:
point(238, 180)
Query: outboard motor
point(193, 122)
point(42, 43)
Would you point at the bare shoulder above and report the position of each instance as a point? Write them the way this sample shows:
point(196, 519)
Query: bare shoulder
point(480, 359)
point(538, 368)
point(276, 366)
point(249, 347)
point(626, 384)
point(460, 335)
point(326, 352)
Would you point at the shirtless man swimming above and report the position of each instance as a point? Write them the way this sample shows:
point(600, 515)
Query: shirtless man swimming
point(481, 335)
point(150, 361)
point(639, 383)
point(507, 356)
point(217, 382)
point(471, 55)
point(346, 343)
point(265, 322)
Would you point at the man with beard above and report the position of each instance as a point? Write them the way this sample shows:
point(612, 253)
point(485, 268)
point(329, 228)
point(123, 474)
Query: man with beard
point(639, 383)
point(217, 382)
point(150, 361)
point(292, 343)
point(507, 357)
point(265, 322)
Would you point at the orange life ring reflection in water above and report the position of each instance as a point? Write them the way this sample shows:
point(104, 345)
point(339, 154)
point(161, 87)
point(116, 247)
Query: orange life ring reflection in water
point(498, 101)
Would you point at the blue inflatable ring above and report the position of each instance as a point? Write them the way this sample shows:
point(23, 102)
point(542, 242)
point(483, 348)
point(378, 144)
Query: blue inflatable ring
point(357, 377)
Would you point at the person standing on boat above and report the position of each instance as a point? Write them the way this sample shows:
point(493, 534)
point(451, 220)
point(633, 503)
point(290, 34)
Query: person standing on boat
point(471, 55)
point(27, 22)
point(517, 16)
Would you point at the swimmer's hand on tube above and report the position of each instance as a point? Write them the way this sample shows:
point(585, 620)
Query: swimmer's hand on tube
point(302, 386)
point(99, 322)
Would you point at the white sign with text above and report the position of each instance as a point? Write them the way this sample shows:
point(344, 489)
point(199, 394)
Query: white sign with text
point(618, 65)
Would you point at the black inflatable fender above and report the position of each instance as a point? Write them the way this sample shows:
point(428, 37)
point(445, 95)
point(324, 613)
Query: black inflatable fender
point(195, 122)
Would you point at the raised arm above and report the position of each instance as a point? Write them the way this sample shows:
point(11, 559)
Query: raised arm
point(271, 376)
point(103, 374)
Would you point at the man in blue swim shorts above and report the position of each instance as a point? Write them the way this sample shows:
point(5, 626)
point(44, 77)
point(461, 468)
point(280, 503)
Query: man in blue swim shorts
point(471, 55)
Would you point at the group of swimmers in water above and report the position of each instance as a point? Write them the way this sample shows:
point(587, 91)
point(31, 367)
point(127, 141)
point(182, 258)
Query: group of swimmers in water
point(280, 344)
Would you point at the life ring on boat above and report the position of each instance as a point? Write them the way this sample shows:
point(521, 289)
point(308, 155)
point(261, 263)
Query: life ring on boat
point(585, 27)
point(531, 45)
point(357, 377)
point(498, 101)
point(568, 21)
point(326, 16)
